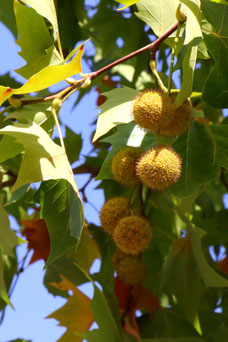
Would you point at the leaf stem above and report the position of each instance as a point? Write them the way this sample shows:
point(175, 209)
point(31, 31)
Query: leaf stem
point(172, 57)
point(53, 109)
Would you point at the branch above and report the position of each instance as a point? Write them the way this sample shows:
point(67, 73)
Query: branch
point(91, 76)
point(93, 170)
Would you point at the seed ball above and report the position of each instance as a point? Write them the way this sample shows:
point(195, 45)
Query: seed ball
point(131, 270)
point(181, 121)
point(153, 110)
point(112, 211)
point(117, 257)
point(132, 234)
point(159, 168)
point(123, 165)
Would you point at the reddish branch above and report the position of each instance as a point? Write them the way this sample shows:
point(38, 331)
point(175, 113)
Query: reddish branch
point(152, 47)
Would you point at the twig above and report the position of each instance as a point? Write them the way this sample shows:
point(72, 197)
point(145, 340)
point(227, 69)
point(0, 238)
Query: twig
point(152, 46)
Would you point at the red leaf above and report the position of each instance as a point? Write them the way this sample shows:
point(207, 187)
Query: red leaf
point(38, 238)
point(223, 265)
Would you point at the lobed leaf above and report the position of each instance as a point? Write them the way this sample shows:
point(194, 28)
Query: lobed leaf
point(115, 110)
point(46, 77)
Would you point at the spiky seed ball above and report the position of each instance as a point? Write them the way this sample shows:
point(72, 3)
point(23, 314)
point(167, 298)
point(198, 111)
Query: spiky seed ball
point(153, 110)
point(131, 270)
point(181, 121)
point(112, 211)
point(159, 167)
point(123, 165)
point(132, 234)
point(117, 257)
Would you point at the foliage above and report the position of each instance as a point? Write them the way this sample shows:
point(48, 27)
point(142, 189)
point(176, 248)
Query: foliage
point(184, 295)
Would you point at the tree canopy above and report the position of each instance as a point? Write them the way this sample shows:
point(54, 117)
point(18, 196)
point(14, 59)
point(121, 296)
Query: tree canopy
point(160, 147)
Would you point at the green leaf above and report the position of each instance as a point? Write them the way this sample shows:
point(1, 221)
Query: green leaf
point(9, 268)
point(107, 318)
point(7, 16)
point(46, 77)
point(215, 91)
point(3, 292)
point(63, 213)
point(197, 163)
point(9, 148)
point(127, 134)
point(43, 159)
point(8, 239)
point(158, 14)
point(220, 134)
point(210, 276)
point(179, 270)
point(115, 110)
point(189, 64)
point(46, 8)
point(35, 41)
point(193, 21)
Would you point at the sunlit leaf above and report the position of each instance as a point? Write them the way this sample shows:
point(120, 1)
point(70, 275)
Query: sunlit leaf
point(127, 3)
point(159, 14)
point(43, 159)
point(115, 110)
point(193, 21)
point(189, 64)
point(46, 77)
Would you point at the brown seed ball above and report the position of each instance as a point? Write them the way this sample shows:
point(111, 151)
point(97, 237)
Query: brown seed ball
point(112, 211)
point(132, 235)
point(131, 270)
point(153, 110)
point(159, 168)
point(181, 121)
point(123, 165)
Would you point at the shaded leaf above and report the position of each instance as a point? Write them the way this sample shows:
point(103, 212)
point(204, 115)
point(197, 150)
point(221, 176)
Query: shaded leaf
point(62, 210)
point(36, 43)
point(46, 77)
point(220, 134)
point(215, 89)
point(75, 315)
point(176, 339)
point(209, 275)
point(115, 110)
point(3, 292)
point(197, 164)
point(46, 8)
point(8, 239)
point(38, 238)
point(7, 16)
point(9, 148)
point(178, 271)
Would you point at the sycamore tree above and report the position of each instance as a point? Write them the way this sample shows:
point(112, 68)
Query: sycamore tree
point(159, 153)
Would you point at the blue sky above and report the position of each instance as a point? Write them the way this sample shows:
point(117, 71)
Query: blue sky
point(30, 298)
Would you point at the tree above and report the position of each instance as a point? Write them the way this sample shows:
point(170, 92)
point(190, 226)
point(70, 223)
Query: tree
point(157, 232)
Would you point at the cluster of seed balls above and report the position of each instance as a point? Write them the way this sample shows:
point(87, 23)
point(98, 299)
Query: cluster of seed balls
point(158, 169)
point(132, 234)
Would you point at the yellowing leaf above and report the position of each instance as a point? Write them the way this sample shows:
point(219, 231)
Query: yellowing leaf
point(43, 159)
point(126, 3)
point(75, 315)
point(46, 8)
point(46, 77)
point(193, 22)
